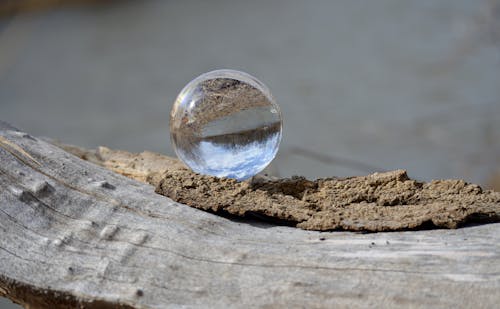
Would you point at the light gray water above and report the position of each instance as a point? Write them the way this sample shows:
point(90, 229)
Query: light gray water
point(363, 85)
point(391, 84)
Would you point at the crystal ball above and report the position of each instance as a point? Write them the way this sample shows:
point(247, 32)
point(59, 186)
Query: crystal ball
point(226, 123)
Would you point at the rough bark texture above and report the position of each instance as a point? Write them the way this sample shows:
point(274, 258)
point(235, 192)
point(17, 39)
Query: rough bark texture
point(379, 202)
point(76, 234)
point(388, 201)
point(148, 167)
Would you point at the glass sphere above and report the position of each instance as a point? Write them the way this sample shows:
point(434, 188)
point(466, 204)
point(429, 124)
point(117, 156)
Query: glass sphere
point(225, 123)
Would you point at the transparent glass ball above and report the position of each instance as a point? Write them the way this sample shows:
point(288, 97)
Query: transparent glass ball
point(225, 123)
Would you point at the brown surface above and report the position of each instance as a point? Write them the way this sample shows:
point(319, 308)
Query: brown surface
point(220, 97)
point(146, 166)
point(13, 7)
point(379, 202)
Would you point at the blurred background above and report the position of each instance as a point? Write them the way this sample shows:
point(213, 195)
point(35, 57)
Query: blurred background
point(364, 86)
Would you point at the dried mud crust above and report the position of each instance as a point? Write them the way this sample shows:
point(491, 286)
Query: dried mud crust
point(379, 202)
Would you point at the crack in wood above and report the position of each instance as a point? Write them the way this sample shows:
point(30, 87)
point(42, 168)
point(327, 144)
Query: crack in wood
point(183, 257)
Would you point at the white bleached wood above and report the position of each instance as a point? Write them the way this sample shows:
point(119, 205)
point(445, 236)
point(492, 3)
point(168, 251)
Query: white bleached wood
point(75, 234)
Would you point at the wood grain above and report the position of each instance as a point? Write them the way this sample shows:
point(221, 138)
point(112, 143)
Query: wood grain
point(74, 234)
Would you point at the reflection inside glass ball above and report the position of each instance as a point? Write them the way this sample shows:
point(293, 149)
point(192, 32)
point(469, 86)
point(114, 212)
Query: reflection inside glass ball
point(225, 123)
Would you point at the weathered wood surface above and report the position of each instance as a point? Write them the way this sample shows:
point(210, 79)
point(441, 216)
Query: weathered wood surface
point(380, 202)
point(76, 234)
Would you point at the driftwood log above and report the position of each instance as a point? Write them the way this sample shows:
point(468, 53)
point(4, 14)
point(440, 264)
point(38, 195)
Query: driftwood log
point(75, 234)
